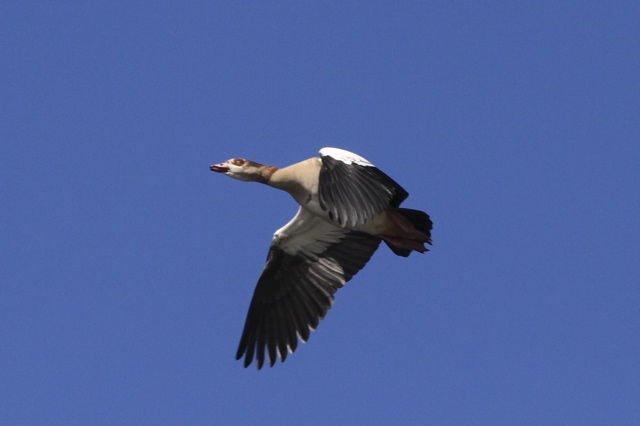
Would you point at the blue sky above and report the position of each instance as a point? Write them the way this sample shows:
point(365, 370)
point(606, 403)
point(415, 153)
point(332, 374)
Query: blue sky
point(127, 267)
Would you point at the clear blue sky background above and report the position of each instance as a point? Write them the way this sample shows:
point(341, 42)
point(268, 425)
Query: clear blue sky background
point(127, 267)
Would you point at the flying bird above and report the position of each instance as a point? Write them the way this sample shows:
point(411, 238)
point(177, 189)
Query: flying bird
point(347, 207)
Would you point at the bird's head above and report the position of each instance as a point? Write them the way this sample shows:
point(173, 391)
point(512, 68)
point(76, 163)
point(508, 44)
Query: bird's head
point(245, 170)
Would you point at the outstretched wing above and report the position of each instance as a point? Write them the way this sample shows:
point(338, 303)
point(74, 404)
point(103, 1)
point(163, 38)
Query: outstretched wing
point(309, 260)
point(352, 190)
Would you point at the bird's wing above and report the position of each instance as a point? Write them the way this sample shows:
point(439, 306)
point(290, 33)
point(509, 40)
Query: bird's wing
point(308, 261)
point(352, 190)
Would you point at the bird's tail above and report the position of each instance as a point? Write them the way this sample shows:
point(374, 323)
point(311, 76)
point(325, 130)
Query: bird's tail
point(415, 230)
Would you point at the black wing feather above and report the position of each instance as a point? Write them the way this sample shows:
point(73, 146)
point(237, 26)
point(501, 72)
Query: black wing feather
point(294, 293)
point(354, 193)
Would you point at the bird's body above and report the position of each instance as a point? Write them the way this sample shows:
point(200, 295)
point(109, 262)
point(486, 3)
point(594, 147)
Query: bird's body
point(347, 206)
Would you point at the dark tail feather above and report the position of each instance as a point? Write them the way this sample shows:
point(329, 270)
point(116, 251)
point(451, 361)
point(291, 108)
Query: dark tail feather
point(398, 251)
point(416, 226)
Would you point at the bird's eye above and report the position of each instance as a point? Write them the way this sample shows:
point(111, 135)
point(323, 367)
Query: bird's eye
point(238, 161)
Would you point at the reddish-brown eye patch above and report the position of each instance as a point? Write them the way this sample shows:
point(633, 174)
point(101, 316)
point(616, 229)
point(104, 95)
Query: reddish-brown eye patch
point(238, 161)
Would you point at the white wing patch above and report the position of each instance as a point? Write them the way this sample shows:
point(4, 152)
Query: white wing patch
point(345, 156)
point(308, 234)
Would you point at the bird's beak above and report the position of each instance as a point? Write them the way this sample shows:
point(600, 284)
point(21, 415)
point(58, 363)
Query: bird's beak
point(220, 168)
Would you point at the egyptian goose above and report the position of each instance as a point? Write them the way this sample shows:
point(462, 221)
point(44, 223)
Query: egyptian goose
point(347, 206)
